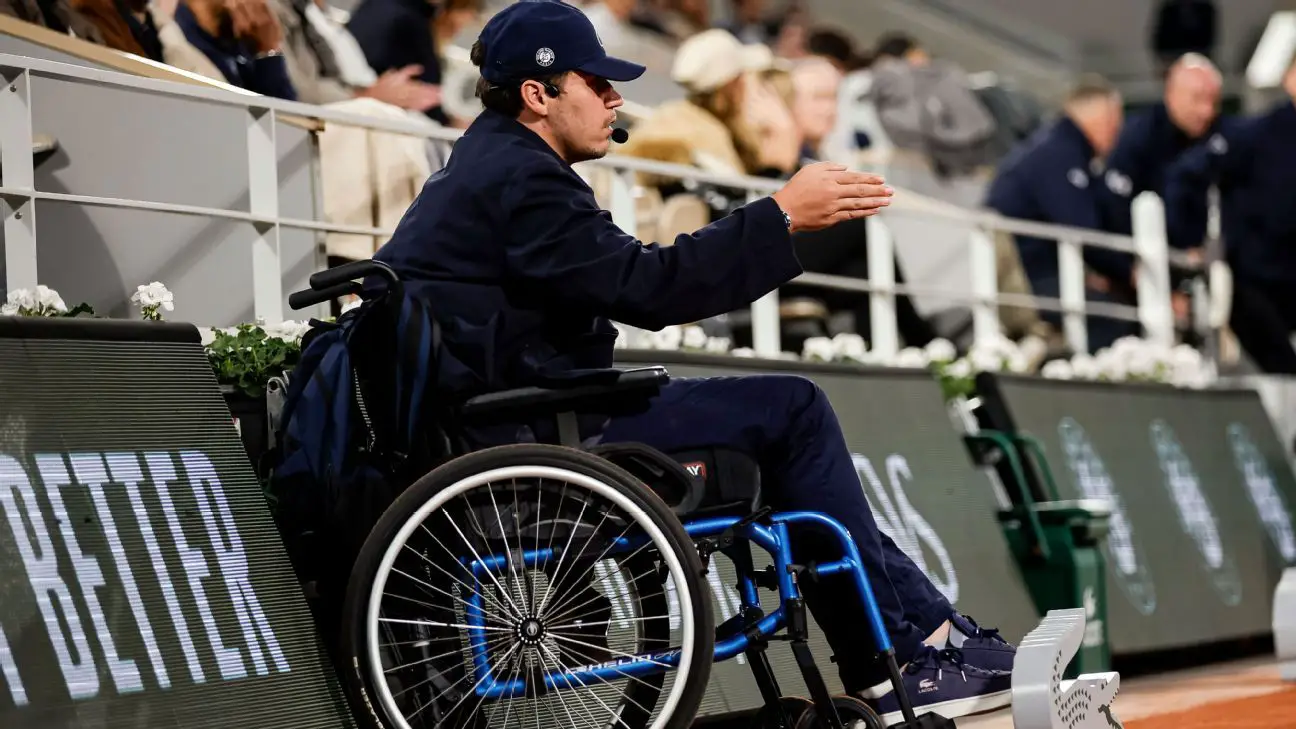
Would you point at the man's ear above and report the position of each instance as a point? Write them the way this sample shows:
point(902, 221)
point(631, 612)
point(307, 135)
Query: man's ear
point(534, 97)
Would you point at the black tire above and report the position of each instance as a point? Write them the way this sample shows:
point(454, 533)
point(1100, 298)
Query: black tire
point(794, 707)
point(853, 712)
point(355, 667)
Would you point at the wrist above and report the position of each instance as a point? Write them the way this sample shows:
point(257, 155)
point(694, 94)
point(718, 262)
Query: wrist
point(787, 217)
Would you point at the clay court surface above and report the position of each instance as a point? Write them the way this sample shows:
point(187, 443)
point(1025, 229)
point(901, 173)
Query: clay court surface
point(1239, 695)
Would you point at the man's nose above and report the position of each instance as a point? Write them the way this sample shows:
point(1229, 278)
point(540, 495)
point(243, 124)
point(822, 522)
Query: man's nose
point(614, 99)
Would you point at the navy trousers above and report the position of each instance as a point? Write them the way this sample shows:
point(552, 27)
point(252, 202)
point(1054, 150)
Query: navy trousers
point(786, 423)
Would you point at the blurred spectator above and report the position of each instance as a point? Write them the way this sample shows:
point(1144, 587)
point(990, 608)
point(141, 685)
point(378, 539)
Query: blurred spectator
point(791, 34)
point(612, 21)
point(1154, 139)
point(928, 106)
point(1051, 179)
point(398, 34)
point(57, 15)
point(1183, 26)
point(815, 83)
point(1255, 171)
point(749, 24)
point(682, 19)
point(242, 39)
point(316, 47)
point(126, 25)
point(455, 15)
point(731, 122)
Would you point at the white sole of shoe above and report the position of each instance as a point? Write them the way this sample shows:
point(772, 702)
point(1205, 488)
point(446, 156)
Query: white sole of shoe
point(958, 707)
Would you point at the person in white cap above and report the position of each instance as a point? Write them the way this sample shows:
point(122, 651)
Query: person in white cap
point(729, 123)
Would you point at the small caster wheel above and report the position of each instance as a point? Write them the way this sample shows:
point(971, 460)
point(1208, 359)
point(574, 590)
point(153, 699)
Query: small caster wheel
point(794, 707)
point(853, 712)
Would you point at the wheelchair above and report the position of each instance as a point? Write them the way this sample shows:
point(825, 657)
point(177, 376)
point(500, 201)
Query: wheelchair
point(549, 584)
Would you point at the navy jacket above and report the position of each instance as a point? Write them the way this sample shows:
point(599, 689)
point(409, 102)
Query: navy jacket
point(238, 62)
point(524, 270)
point(1049, 178)
point(1255, 168)
point(1148, 145)
point(398, 33)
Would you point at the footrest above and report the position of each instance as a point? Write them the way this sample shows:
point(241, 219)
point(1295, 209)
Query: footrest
point(1041, 698)
point(1284, 624)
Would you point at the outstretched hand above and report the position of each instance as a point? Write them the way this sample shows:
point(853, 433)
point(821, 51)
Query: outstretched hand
point(823, 194)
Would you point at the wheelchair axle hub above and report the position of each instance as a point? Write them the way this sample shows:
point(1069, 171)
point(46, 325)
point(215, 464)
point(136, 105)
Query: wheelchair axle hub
point(530, 631)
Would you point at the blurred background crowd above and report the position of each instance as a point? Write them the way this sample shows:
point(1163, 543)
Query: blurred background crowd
point(762, 87)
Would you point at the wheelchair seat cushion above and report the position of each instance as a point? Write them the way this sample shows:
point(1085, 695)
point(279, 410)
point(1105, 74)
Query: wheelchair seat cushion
point(698, 482)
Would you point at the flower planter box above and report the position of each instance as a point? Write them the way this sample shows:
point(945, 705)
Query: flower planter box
point(252, 420)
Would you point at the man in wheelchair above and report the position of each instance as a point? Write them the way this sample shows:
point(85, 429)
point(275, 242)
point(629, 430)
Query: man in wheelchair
point(523, 272)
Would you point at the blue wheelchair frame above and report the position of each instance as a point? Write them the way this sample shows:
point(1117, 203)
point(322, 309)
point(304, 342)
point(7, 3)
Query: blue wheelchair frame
point(774, 539)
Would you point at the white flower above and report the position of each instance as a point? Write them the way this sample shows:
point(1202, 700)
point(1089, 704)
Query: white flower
point(694, 338)
point(911, 357)
point(959, 369)
point(207, 334)
point(289, 331)
point(818, 349)
point(1140, 363)
point(668, 338)
point(718, 345)
point(49, 299)
point(849, 346)
point(1085, 367)
point(985, 359)
point(743, 352)
point(1111, 364)
point(44, 301)
point(1185, 355)
point(154, 294)
point(1017, 361)
point(1058, 369)
point(941, 350)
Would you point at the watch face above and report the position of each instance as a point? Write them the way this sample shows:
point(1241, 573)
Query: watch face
point(787, 220)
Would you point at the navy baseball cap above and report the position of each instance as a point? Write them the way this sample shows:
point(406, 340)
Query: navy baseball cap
point(534, 38)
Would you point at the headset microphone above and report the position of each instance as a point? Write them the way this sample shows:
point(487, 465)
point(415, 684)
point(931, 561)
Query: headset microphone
point(620, 136)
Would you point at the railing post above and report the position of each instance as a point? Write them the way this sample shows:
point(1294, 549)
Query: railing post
point(18, 168)
point(985, 286)
point(1155, 311)
point(765, 321)
point(1071, 287)
point(263, 200)
point(623, 210)
point(882, 309)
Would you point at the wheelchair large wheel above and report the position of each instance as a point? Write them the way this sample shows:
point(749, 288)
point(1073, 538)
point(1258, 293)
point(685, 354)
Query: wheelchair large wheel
point(527, 587)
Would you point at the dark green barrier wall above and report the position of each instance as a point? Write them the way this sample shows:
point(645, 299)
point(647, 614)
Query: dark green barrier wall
point(924, 493)
point(1203, 527)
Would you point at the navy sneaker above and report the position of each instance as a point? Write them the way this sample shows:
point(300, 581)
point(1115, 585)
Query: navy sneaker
point(981, 647)
point(939, 681)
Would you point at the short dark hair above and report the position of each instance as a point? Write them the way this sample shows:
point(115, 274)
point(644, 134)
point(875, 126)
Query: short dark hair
point(895, 45)
point(506, 97)
point(831, 44)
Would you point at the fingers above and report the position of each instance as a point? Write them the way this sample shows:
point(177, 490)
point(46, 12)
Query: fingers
point(865, 190)
point(851, 177)
point(861, 203)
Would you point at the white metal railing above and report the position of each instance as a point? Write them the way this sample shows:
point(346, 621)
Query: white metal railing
point(18, 196)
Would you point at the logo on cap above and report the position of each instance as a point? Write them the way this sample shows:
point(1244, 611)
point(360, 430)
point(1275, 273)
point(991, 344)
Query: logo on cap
point(545, 57)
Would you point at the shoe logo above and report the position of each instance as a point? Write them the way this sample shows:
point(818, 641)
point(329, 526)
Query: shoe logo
point(1264, 494)
point(696, 470)
point(1121, 546)
point(1195, 514)
point(900, 521)
point(927, 685)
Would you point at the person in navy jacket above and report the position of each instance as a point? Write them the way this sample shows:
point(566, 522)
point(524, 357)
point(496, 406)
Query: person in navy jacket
point(1053, 178)
point(525, 272)
point(242, 38)
point(1154, 139)
point(1254, 168)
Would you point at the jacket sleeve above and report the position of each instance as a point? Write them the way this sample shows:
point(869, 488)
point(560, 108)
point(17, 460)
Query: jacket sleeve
point(569, 250)
point(1192, 174)
point(1067, 200)
point(271, 78)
